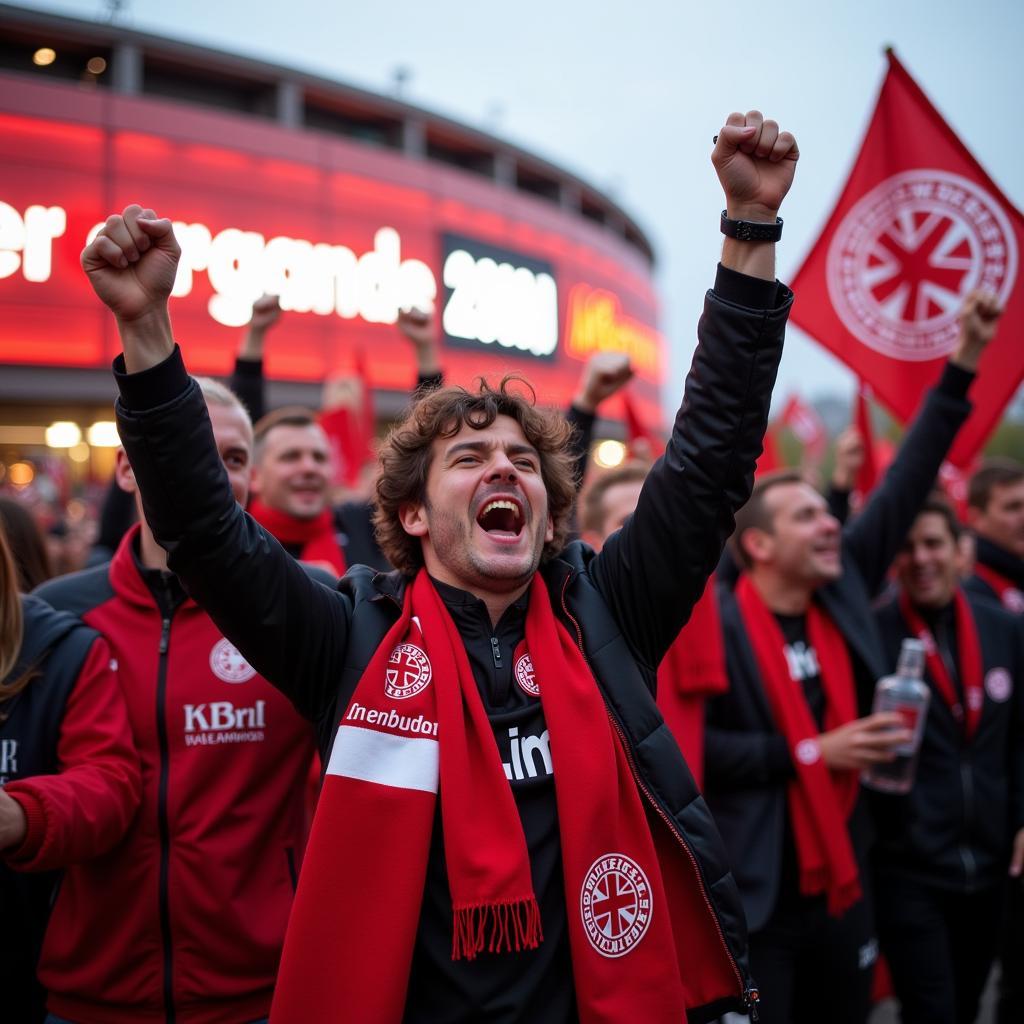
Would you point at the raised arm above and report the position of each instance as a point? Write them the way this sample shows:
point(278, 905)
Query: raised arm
point(291, 629)
point(247, 379)
point(653, 570)
point(873, 538)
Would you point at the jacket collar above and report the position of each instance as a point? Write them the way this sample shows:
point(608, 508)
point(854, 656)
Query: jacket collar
point(1002, 561)
point(129, 579)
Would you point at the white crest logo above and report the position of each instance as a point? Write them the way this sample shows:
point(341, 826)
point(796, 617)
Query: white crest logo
point(908, 252)
point(999, 685)
point(807, 751)
point(227, 663)
point(1013, 600)
point(615, 904)
point(525, 676)
point(408, 672)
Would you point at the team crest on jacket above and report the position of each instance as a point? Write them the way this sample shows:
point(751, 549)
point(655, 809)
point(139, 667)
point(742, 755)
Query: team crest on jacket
point(522, 669)
point(807, 751)
point(615, 904)
point(1013, 600)
point(907, 253)
point(408, 672)
point(999, 685)
point(227, 663)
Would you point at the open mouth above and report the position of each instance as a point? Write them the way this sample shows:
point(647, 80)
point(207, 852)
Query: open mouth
point(501, 516)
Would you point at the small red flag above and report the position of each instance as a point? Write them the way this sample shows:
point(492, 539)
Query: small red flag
point(918, 225)
point(807, 427)
point(770, 459)
point(641, 442)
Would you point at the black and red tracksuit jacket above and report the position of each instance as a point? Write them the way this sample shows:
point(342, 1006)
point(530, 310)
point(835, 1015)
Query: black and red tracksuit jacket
point(185, 919)
point(67, 757)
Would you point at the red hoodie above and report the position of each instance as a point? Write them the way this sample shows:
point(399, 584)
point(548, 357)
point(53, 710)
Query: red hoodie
point(185, 919)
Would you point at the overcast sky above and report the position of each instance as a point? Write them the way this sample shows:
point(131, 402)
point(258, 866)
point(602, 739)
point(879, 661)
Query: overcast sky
point(629, 95)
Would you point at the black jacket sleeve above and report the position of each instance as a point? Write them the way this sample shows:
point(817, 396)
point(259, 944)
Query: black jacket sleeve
point(653, 570)
point(248, 383)
point(873, 538)
point(290, 628)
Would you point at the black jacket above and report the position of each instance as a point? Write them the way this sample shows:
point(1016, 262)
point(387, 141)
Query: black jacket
point(955, 828)
point(1001, 561)
point(747, 763)
point(55, 644)
point(626, 605)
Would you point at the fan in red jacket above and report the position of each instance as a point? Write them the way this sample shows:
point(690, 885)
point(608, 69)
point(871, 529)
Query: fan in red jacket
point(69, 775)
point(184, 921)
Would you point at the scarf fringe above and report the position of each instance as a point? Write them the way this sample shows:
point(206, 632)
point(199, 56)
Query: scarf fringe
point(506, 927)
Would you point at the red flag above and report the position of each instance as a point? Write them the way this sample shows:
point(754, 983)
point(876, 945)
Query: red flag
point(807, 427)
point(771, 459)
point(918, 225)
point(347, 419)
point(641, 442)
point(867, 476)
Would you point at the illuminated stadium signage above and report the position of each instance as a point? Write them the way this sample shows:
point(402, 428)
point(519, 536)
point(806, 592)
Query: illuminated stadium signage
point(498, 298)
point(346, 237)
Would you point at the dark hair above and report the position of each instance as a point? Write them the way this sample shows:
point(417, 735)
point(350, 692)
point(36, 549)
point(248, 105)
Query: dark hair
point(28, 549)
point(286, 416)
point(12, 627)
point(754, 515)
point(594, 513)
point(938, 504)
point(994, 472)
point(406, 453)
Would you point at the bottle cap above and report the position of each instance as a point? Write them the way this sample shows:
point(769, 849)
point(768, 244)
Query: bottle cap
point(912, 655)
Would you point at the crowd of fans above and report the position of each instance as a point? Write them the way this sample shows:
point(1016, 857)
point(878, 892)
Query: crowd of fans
point(157, 787)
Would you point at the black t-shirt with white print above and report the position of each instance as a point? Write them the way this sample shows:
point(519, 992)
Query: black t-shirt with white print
point(534, 985)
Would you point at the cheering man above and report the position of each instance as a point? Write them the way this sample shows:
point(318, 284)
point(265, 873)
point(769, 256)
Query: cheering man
point(942, 860)
point(507, 830)
point(784, 747)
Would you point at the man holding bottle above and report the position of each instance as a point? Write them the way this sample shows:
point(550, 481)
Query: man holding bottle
point(784, 748)
point(941, 860)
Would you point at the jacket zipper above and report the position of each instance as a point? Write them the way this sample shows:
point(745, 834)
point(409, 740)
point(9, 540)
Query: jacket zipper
point(966, 854)
point(162, 820)
point(749, 994)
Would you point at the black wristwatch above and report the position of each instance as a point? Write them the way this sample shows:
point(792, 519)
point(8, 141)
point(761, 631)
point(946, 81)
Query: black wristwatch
point(750, 230)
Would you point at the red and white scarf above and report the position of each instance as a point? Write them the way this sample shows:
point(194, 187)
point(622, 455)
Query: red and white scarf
point(971, 667)
point(416, 724)
point(316, 538)
point(1007, 591)
point(820, 801)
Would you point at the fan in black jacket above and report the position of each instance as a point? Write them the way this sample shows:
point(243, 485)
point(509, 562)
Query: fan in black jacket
point(623, 606)
point(943, 851)
point(796, 554)
point(995, 513)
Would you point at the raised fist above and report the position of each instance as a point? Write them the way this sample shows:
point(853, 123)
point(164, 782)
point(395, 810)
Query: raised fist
point(417, 325)
point(979, 317)
point(755, 163)
point(604, 374)
point(266, 311)
point(132, 262)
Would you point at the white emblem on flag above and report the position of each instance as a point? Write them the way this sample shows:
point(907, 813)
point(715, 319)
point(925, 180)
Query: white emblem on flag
point(227, 663)
point(906, 255)
point(408, 672)
point(615, 904)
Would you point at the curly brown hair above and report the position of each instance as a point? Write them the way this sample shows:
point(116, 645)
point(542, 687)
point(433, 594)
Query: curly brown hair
point(406, 453)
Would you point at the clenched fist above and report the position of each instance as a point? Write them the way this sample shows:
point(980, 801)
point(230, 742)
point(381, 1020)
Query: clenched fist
point(131, 265)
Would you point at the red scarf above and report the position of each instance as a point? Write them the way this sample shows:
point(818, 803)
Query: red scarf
point(1009, 594)
point(416, 723)
point(692, 670)
point(820, 801)
point(968, 655)
point(317, 536)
